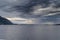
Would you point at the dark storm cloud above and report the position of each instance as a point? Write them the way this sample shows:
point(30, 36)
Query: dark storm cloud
point(6, 7)
point(28, 7)
point(25, 6)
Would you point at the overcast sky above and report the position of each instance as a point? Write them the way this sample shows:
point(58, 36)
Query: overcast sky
point(6, 7)
point(21, 8)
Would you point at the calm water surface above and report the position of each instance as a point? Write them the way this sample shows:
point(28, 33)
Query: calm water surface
point(30, 32)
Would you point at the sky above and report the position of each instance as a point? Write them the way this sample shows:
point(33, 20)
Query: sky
point(6, 7)
point(28, 8)
point(18, 7)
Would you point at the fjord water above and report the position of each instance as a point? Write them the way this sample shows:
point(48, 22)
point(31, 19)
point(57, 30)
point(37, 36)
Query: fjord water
point(30, 32)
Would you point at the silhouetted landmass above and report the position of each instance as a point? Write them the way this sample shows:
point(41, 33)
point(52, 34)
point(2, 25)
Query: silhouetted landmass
point(4, 21)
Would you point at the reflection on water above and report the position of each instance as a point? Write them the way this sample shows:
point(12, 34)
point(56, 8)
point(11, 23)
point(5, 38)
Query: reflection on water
point(30, 32)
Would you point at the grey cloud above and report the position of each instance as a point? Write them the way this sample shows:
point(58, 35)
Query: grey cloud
point(23, 8)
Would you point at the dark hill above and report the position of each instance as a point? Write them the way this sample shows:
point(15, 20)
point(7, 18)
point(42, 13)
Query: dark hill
point(4, 21)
